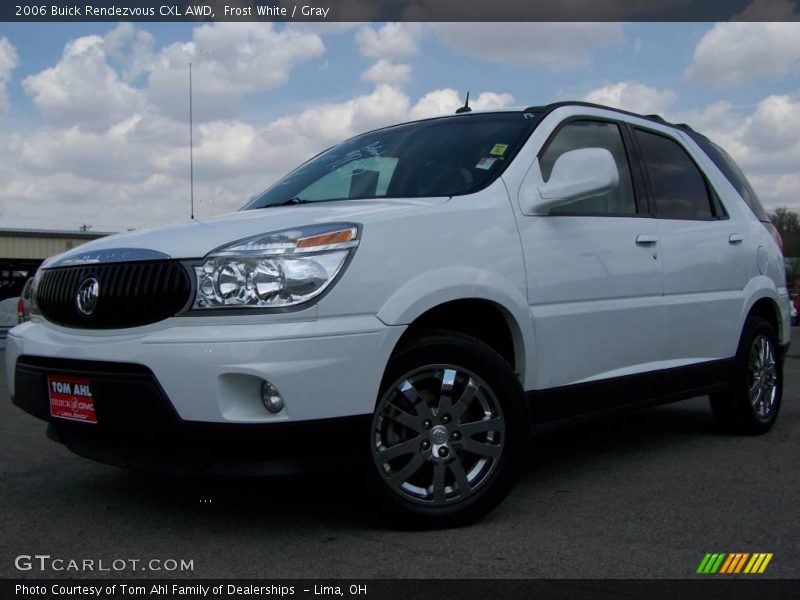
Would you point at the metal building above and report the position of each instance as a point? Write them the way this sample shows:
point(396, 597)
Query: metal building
point(23, 250)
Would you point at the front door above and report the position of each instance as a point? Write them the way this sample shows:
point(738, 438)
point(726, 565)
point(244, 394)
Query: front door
point(594, 275)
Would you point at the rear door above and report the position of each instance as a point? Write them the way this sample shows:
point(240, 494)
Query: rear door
point(704, 254)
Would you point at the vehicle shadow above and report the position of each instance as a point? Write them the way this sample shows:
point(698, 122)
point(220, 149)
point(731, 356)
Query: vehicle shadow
point(346, 500)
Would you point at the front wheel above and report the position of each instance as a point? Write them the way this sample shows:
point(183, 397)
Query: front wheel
point(449, 433)
point(751, 405)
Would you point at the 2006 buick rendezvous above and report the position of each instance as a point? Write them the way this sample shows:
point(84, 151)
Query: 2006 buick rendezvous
point(422, 294)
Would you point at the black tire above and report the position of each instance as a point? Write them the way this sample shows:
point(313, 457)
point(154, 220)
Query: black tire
point(735, 410)
point(492, 382)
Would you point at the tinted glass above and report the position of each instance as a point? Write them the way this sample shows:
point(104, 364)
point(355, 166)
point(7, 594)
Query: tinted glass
point(733, 173)
point(678, 188)
point(593, 134)
point(438, 157)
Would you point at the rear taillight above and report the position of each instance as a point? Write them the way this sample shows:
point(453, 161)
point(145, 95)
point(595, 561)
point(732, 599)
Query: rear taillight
point(775, 235)
point(20, 311)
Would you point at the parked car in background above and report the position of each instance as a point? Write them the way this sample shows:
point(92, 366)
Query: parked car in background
point(426, 295)
point(24, 302)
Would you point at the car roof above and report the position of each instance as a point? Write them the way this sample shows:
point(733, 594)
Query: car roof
point(548, 108)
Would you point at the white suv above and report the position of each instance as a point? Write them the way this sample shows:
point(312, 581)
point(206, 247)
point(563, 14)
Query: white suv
point(426, 296)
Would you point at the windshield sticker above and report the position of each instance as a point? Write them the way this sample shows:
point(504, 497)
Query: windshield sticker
point(498, 149)
point(485, 163)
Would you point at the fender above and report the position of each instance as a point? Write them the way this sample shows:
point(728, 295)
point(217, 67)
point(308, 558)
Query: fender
point(433, 288)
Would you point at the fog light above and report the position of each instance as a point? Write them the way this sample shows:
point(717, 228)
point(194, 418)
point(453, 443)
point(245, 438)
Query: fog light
point(271, 397)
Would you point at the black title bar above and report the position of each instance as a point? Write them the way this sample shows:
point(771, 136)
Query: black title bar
point(396, 10)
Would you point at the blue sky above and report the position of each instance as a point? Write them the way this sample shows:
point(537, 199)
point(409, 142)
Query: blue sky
point(665, 50)
point(92, 116)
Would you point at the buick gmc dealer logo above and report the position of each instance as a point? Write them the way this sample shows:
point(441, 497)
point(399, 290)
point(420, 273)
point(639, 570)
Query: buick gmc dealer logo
point(86, 299)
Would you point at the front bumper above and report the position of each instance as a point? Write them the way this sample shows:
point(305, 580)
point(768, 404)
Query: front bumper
point(187, 398)
point(138, 429)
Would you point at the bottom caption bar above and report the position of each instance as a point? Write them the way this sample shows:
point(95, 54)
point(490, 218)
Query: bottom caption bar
point(397, 589)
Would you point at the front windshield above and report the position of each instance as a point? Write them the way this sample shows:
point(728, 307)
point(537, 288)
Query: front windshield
point(438, 157)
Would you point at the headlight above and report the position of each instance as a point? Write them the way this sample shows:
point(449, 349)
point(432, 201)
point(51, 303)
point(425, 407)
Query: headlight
point(37, 276)
point(278, 269)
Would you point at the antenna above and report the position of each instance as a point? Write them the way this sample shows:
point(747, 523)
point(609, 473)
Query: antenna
point(465, 108)
point(191, 150)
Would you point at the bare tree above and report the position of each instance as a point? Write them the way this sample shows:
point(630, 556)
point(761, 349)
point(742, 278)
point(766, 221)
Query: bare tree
point(787, 222)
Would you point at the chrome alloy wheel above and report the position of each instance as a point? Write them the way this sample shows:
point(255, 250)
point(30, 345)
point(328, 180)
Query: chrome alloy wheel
point(438, 434)
point(762, 376)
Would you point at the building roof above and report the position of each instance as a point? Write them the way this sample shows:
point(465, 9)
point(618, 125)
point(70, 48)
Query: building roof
point(54, 233)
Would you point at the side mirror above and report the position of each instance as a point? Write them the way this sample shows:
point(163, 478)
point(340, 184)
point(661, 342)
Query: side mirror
point(576, 175)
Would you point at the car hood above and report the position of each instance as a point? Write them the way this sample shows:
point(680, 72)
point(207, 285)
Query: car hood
point(197, 238)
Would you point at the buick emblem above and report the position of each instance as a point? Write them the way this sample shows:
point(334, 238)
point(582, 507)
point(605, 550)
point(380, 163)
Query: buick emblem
point(86, 299)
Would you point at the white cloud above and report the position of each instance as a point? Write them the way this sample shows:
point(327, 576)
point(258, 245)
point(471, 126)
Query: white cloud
point(83, 89)
point(446, 101)
point(385, 71)
point(735, 53)
point(555, 46)
point(326, 124)
point(775, 125)
point(113, 153)
point(392, 40)
point(131, 47)
point(633, 96)
point(765, 143)
point(8, 62)
point(135, 172)
point(229, 60)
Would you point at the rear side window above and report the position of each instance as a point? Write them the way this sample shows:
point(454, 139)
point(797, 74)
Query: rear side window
point(593, 134)
point(733, 173)
point(678, 188)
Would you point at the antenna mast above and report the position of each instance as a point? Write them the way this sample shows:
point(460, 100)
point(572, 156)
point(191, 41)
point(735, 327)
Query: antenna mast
point(191, 150)
point(465, 108)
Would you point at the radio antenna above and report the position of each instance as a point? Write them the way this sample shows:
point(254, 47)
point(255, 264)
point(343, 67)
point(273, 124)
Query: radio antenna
point(465, 108)
point(191, 150)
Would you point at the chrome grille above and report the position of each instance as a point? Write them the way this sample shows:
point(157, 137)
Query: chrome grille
point(130, 294)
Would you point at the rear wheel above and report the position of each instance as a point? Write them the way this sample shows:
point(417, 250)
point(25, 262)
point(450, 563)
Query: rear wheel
point(751, 405)
point(449, 432)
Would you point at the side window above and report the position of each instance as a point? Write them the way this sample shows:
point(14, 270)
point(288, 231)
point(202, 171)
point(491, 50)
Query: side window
point(679, 189)
point(593, 134)
point(734, 174)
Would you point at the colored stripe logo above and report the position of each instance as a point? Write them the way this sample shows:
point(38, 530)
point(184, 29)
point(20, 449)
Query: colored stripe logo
point(734, 563)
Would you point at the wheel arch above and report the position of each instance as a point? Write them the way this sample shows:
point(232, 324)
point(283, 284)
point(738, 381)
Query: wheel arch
point(768, 309)
point(481, 318)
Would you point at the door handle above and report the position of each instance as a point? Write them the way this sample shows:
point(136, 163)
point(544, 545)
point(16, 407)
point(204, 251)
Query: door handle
point(646, 240)
point(735, 238)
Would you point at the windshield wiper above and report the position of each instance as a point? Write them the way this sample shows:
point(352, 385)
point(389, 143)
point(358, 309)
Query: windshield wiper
point(290, 202)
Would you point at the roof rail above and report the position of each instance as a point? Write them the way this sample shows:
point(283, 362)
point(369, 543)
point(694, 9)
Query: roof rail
point(655, 118)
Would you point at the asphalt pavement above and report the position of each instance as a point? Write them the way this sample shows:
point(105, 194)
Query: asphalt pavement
point(642, 496)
